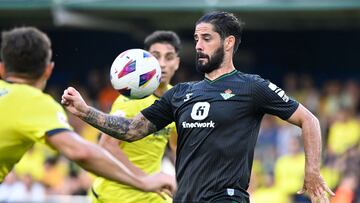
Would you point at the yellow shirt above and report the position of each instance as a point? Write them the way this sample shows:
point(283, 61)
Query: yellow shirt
point(145, 153)
point(344, 135)
point(26, 114)
point(32, 162)
point(289, 173)
point(269, 195)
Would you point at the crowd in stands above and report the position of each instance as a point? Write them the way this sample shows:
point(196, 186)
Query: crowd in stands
point(278, 168)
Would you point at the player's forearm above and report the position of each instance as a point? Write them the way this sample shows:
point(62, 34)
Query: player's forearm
point(122, 157)
point(100, 162)
point(116, 126)
point(312, 144)
point(112, 145)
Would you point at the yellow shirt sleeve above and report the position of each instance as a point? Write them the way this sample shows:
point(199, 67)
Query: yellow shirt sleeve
point(41, 116)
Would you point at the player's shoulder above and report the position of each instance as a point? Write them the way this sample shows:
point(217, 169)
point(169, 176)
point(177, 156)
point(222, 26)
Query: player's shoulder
point(250, 78)
point(130, 107)
point(43, 99)
point(121, 99)
point(31, 95)
point(186, 86)
point(183, 88)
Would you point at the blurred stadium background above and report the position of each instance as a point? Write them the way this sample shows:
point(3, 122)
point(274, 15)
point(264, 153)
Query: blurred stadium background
point(310, 48)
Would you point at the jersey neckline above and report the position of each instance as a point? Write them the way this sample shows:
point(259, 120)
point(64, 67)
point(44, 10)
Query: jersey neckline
point(221, 77)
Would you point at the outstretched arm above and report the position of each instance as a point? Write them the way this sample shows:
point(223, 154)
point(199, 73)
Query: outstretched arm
point(112, 145)
point(119, 127)
point(116, 126)
point(313, 183)
point(97, 160)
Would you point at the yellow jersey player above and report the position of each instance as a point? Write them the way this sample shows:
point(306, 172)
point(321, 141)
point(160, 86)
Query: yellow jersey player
point(143, 156)
point(27, 115)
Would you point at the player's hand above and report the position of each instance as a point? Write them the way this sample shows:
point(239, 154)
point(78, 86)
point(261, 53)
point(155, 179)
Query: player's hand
point(74, 102)
point(160, 183)
point(316, 188)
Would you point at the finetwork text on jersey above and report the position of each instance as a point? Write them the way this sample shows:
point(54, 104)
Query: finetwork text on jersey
point(209, 124)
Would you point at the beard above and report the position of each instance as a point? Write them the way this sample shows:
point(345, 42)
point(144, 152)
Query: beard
point(212, 63)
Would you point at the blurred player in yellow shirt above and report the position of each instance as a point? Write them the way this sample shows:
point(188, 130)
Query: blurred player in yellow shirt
point(143, 156)
point(344, 132)
point(27, 115)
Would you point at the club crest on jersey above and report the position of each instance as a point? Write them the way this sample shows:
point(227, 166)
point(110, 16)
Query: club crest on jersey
point(227, 94)
point(279, 92)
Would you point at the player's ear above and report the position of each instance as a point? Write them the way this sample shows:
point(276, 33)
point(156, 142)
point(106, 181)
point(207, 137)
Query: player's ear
point(177, 63)
point(229, 43)
point(48, 70)
point(2, 70)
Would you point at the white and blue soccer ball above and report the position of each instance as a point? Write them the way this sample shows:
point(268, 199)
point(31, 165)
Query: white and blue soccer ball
point(135, 73)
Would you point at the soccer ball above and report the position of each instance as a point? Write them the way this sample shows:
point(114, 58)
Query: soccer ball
point(135, 73)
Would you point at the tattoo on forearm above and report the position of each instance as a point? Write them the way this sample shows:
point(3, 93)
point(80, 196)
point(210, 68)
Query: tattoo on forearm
point(120, 127)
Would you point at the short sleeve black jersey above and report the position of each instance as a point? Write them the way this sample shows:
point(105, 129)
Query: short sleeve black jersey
point(218, 123)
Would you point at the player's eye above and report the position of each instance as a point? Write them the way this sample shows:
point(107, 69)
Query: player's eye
point(207, 39)
point(196, 39)
point(156, 56)
point(170, 57)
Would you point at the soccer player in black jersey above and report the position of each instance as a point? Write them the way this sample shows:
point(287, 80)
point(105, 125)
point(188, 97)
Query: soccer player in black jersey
point(217, 120)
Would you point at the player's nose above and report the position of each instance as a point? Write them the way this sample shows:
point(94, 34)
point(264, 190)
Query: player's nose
point(199, 46)
point(162, 63)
